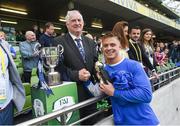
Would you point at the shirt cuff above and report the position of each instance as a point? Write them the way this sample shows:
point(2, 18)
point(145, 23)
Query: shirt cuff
point(116, 93)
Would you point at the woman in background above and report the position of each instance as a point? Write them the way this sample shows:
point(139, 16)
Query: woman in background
point(120, 29)
point(147, 43)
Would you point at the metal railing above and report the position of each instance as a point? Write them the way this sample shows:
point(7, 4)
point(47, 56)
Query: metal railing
point(14, 43)
point(167, 77)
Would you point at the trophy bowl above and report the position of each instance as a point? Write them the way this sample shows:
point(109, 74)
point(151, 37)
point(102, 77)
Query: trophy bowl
point(50, 56)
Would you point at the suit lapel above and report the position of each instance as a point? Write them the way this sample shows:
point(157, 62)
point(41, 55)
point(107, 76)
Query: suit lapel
point(74, 47)
point(86, 47)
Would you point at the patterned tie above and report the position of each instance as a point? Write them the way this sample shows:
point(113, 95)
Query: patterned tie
point(81, 50)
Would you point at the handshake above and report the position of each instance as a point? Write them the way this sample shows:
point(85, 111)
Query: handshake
point(102, 74)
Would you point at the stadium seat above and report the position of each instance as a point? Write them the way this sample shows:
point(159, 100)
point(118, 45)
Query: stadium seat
point(34, 80)
point(20, 70)
point(34, 72)
point(28, 105)
point(18, 53)
point(27, 87)
point(34, 77)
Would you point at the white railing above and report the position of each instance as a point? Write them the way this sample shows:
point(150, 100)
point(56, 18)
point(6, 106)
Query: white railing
point(164, 78)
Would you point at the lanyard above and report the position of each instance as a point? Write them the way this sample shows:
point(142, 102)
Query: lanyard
point(139, 56)
point(3, 67)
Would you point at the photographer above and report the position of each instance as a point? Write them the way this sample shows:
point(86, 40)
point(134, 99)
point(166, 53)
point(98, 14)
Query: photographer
point(30, 57)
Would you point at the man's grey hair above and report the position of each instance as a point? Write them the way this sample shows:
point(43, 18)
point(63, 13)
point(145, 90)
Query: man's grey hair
point(28, 33)
point(70, 13)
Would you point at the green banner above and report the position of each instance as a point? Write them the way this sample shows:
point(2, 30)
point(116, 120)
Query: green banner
point(64, 95)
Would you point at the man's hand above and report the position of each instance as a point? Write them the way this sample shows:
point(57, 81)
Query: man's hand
point(107, 88)
point(84, 75)
point(155, 75)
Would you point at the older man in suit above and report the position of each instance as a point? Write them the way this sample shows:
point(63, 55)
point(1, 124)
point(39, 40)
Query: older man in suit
point(79, 58)
point(11, 88)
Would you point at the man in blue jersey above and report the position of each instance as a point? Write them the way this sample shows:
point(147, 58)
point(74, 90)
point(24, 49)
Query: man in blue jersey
point(130, 91)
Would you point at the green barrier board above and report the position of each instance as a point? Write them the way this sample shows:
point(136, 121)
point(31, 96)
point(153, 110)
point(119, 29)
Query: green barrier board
point(64, 95)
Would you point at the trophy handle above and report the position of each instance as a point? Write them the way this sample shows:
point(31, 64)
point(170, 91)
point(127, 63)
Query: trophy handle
point(60, 49)
point(37, 47)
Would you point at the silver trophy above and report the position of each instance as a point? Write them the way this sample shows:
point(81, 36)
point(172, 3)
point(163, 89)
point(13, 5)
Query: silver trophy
point(102, 75)
point(50, 56)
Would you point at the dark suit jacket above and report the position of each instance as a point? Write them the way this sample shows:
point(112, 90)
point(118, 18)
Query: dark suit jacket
point(73, 61)
point(132, 55)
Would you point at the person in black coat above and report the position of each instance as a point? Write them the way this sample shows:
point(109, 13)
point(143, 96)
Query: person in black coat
point(46, 38)
point(79, 59)
point(136, 51)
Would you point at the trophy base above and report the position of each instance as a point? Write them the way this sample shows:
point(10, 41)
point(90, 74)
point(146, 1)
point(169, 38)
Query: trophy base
point(54, 79)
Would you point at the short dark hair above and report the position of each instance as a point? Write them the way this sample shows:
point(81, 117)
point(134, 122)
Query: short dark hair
point(108, 35)
point(48, 24)
point(135, 27)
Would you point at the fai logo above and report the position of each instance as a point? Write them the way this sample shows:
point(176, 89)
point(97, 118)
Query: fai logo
point(63, 103)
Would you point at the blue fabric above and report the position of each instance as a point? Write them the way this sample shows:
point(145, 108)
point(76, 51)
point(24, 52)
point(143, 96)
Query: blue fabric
point(29, 60)
point(6, 115)
point(13, 51)
point(81, 50)
point(178, 64)
point(42, 81)
point(45, 40)
point(132, 95)
point(86, 84)
point(92, 89)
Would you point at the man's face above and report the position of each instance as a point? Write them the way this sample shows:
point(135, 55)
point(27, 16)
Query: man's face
point(135, 34)
point(31, 37)
point(110, 48)
point(50, 30)
point(75, 24)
